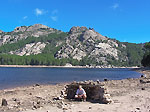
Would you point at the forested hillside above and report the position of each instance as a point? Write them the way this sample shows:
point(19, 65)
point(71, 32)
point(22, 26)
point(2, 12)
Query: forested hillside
point(41, 45)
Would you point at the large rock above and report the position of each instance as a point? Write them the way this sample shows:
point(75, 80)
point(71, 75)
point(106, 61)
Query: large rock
point(91, 34)
point(37, 26)
point(33, 48)
point(77, 29)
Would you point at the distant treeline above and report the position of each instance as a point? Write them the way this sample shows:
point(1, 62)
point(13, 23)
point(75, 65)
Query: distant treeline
point(40, 59)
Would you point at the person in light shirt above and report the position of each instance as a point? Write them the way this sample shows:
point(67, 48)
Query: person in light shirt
point(81, 94)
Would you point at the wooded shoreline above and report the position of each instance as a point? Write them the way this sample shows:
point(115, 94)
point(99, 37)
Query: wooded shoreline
point(44, 66)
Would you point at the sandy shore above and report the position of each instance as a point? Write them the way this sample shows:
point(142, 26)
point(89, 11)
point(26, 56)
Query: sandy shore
point(129, 95)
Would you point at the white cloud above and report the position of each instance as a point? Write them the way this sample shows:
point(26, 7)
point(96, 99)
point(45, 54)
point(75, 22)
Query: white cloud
point(25, 17)
point(39, 11)
point(115, 6)
point(54, 18)
point(54, 15)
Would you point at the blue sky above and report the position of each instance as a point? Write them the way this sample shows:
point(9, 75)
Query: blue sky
point(125, 20)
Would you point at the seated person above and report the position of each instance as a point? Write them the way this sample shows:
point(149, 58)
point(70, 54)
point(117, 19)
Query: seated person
point(80, 94)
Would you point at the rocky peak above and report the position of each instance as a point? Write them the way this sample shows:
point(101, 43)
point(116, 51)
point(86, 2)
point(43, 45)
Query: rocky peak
point(36, 27)
point(77, 29)
point(98, 34)
point(20, 29)
point(30, 28)
point(92, 29)
point(92, 34)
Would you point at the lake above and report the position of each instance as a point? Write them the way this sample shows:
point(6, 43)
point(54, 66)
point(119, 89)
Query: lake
point(13, 77)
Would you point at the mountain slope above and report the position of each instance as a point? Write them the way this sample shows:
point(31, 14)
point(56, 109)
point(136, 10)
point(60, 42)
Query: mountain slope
point(41, 45)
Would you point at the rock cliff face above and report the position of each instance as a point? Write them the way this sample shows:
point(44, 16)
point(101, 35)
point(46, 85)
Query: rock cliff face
point(24, 32)
point(33, 48)
point(83, 42)
point(80, 43)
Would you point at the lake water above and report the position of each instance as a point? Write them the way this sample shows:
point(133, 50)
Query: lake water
point(12, 77)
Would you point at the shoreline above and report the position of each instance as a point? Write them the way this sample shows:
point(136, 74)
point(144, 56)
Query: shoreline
point(44, 66)
point(127, 95)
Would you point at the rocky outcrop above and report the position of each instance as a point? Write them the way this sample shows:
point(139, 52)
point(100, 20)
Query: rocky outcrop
point(33, 48)
point(84, 42)
point(92, 35)
point(37, 26)
point(77, 29)
point(20, 29)
point(68, 51)
point(30, 28)
point(23, 32)
point(105, 49)
point(4, 39)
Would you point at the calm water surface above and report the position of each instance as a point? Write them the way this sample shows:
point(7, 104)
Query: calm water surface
point(12, 77)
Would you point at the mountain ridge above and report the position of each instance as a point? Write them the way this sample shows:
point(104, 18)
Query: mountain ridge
point(81, 46)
